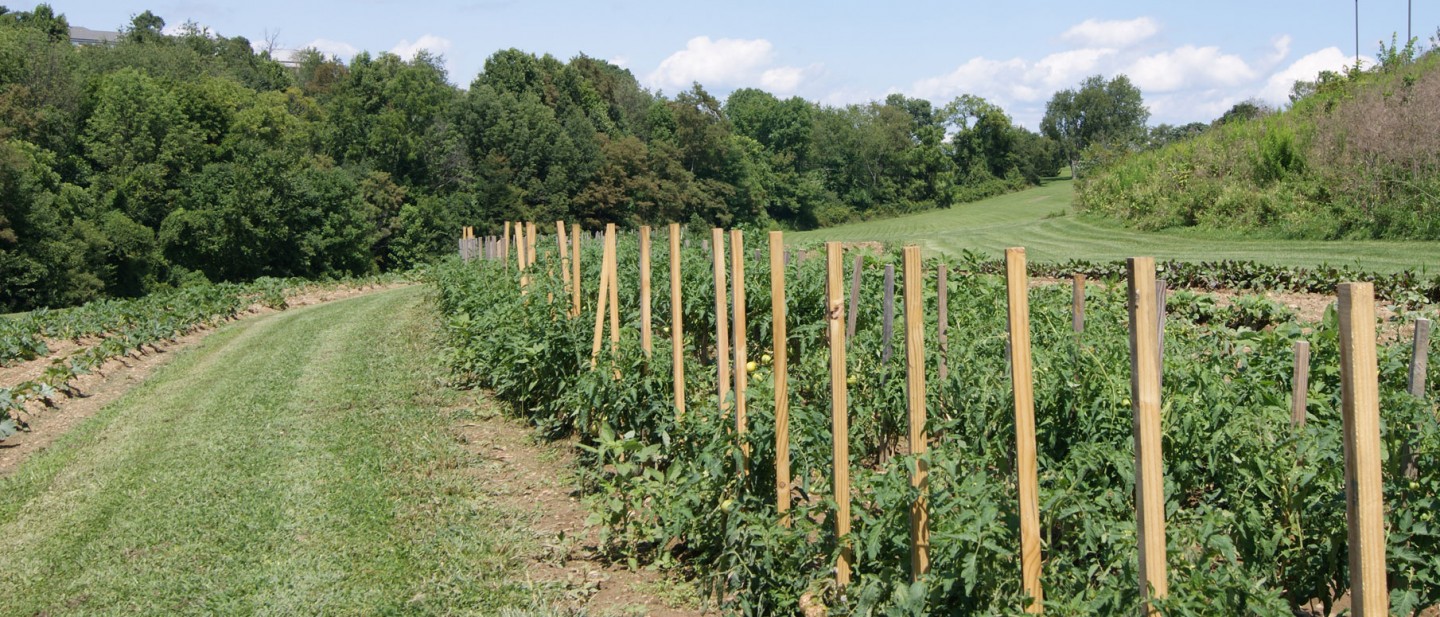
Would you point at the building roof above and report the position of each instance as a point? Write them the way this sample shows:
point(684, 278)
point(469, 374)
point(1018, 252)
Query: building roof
point(86, 36)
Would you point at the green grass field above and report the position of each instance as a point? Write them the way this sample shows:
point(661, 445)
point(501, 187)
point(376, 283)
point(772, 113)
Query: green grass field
point(1042, 221)
point(294, 464)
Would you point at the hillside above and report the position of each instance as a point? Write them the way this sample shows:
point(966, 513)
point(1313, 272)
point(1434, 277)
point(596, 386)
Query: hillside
point(1357, 156)
point(1040, 220)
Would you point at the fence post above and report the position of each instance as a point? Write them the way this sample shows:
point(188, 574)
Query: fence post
point(854, 298)
point(1300, 384)
point(1017, 286)
point(780, 358)
point(1077, 303)
point(722, 317)
point(1145, 394)
point(839, 406)
point(1364, 505)
point(646, 342)
point(742, 375)
point(530, 243)
point(677, 324)
point(915, 398)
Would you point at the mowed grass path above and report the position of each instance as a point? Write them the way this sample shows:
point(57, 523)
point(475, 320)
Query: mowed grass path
point(1029, 219)
point(295, 464)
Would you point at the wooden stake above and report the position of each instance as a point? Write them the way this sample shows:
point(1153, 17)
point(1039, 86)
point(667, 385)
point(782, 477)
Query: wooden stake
point(1420, 358)
point(575, 269)
point(1300, 384)
point(1017, 285)
point(887, 327)
point(677, 324)
point(722, 317)
point(1145, 392)
point(530, 244)
point(645, 322)
point(737, 278)
point(505, 249)
point(564, 252)
point(1419, 364)
point(611, 238)
point(942, 305)
point(780, 358)
point(522, 256)
point(854, 298)
point(1364, 499)
point(839, 409)
point(915, 399)
point(602, 297)
point(1077, 303)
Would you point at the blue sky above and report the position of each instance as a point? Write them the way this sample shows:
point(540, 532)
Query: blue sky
point(1192, 60)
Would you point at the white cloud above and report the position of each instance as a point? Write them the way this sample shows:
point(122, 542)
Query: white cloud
point(729, 63)
point(1114, 33)
point(1282, 50)
point(620, 61)
point(343, 50)
point(722, 62)
point(434, 44)
point(1277, 87)
point(1189, 67)
point(1062, 69)
point(991, 78)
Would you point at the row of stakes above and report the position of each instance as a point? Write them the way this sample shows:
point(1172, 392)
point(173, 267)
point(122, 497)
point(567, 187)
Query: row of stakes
point(1359, 389)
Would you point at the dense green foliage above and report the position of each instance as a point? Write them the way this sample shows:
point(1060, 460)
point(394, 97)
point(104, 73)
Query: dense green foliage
point(161, 159)
point(107, 329)
point(1100, 114)
point(1255, 508)
point(1356, 156)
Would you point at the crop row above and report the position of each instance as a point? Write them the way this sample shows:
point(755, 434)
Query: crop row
point(1254, 507)
point(107, 329)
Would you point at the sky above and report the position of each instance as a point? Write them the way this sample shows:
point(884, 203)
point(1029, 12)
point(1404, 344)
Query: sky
point(1192, 61)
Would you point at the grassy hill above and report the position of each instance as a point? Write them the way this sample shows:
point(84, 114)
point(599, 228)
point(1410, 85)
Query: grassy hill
point(1358, 157)
point(1042, 220)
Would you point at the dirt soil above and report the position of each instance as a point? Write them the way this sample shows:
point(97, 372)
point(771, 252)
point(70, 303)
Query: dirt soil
point(116, 377)
point(535, 479)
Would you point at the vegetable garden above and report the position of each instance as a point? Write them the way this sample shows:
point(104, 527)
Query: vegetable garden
point(980, 458)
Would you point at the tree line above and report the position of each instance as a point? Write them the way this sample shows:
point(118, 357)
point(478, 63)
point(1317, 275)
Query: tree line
point(164, 159)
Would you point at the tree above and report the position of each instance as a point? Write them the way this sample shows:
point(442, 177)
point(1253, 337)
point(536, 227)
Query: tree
point(1101, 112)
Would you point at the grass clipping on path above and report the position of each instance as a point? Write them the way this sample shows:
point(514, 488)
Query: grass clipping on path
point(295, 464)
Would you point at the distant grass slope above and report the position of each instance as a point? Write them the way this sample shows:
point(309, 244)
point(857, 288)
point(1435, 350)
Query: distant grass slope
point(1358, 158)
point(1042, 220)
